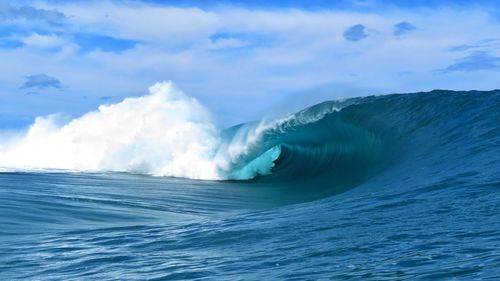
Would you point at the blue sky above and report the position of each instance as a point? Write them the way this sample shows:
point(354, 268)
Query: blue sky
point(240, 58)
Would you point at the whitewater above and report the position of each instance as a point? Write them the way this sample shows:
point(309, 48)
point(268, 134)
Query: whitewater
point(164, 133)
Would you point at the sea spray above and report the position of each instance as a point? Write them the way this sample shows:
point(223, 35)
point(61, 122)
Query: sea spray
point(164, 133)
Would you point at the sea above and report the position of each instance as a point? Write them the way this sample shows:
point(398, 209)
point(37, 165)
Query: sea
point(389, 187)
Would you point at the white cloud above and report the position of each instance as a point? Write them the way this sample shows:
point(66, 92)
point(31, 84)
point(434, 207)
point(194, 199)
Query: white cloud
point(262, 55)
point(42, 41)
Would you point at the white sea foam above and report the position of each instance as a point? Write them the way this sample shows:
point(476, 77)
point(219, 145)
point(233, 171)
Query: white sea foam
point(165, 133)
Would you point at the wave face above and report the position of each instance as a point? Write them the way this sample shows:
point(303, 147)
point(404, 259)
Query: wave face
point(337, 145)
point(167, 133)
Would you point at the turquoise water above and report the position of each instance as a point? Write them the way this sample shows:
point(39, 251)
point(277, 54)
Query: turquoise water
point(387, 187)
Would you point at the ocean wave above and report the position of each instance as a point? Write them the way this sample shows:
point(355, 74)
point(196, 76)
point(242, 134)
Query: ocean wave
point(167, 133)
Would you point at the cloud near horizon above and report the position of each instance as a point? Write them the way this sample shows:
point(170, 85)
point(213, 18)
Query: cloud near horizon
point(240, 59)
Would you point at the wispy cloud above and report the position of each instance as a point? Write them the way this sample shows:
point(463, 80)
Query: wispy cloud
point(51, 17)
point(41, 82)
point(475, 62)
point(486, 44)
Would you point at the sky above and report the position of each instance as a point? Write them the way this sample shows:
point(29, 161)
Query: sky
point(239, 58)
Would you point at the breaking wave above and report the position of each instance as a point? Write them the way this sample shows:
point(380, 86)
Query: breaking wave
point(167, 133)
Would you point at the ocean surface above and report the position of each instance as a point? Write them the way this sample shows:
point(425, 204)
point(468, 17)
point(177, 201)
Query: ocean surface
point(386, 187)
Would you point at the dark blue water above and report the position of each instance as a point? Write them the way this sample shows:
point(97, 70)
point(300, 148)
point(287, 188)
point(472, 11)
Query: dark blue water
point(390, 187)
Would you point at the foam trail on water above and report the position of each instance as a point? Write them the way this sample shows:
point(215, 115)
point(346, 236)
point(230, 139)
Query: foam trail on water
point(165, 133)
